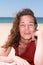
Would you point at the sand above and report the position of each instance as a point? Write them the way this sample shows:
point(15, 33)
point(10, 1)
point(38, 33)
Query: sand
point(5, 30)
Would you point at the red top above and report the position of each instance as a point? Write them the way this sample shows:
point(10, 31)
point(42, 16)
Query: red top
point(29, 52)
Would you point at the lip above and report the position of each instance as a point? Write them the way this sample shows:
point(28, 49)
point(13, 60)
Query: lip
point(27, 33)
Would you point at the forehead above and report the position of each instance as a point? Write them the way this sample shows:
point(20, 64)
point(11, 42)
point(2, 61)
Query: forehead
point(26, 19)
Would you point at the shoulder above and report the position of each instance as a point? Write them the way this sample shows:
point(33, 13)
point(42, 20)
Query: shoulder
point(32, 44)
point(31, 47)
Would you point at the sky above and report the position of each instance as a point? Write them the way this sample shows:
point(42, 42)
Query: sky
point(9, 8)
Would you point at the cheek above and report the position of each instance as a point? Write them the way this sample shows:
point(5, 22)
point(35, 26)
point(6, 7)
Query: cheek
point(32, 30)
point(21, 30)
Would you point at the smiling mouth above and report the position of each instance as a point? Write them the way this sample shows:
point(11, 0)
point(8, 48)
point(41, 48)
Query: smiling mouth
point(27, 33)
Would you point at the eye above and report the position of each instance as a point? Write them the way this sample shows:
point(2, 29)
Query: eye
point(22, 24)
point(31, 25)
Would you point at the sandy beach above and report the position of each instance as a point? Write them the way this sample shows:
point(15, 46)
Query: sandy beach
point(5, 30)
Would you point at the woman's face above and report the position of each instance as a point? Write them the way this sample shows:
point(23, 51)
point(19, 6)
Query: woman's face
point(26, 27)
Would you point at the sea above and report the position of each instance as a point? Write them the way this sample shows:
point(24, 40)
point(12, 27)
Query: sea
point(10, 19)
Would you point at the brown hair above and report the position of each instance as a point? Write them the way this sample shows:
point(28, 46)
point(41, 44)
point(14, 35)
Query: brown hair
point(14, 37)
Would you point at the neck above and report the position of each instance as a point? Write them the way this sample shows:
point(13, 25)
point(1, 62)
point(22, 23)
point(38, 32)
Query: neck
point(25, 41)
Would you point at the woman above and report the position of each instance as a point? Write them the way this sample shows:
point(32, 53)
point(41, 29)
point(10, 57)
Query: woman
point(21, 39)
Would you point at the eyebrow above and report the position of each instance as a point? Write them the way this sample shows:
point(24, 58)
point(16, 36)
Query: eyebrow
point(31, 22)
point(21, 22)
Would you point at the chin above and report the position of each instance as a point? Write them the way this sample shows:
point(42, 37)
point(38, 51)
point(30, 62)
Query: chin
point(28, 38)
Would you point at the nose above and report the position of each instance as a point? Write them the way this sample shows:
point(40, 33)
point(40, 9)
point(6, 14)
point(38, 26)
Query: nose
point(27, 28)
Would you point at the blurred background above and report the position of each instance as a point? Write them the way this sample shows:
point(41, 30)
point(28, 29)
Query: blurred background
point(8, 10)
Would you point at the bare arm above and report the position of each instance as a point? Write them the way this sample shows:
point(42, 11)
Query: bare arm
point(6, 59)
point(38, 59)
point(4, 55)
